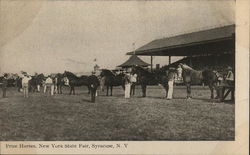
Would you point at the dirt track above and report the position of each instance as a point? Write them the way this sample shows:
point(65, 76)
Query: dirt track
point(65, 117)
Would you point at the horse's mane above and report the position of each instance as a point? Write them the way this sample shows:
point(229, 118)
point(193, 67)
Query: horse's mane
point(108, 72)
point(142, 70)
point(70, 74)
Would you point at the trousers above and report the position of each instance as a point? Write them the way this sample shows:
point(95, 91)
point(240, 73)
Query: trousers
point(127, 90)
point(170, 89)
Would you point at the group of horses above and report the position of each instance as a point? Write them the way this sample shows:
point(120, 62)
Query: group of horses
point(109, 79)
point(189, 75)
point(145, 77)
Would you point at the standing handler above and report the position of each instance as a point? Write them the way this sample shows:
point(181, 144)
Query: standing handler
point(127, 85)
point(4, 85)
point(49, 84)
point(171, 77)
point(133, 83)
point(25, 85)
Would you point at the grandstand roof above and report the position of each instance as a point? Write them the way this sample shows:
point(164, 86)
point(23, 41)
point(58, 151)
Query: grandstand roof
point(210, 41)
point(134, 61)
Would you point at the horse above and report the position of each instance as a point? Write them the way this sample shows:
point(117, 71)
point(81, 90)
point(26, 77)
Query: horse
point(75, 81)
point(192, 77)
point(109, 79)
point(149, 78)
point(36, 82)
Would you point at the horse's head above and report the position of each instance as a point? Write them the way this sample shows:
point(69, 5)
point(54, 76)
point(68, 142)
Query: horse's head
point(69, 75)
point(106, 72)
point(140, 71)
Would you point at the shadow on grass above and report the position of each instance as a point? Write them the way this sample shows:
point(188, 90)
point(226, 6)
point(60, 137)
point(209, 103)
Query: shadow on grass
point(86, 100)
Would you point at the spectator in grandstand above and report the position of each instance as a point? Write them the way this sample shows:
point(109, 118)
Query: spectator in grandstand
point(25, 85)
point(171, 76)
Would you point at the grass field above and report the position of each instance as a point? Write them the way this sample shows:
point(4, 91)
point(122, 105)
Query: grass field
point(73, 117)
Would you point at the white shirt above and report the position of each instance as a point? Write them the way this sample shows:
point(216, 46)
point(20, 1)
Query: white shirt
point(230, 76)
point(48, 81)
point(25, 80)
point(133, 78)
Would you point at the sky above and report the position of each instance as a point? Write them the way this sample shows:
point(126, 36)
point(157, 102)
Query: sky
point(54, 36)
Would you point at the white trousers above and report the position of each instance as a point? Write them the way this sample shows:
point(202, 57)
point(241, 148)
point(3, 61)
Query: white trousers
point(51, 88)
point(127, 90)
point(170, 89)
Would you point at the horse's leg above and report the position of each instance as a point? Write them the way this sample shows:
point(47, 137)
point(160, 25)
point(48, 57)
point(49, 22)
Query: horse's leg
point(107, 93)
point(144, 87)
point(212, 90)
point(60, 89)
point(131, 90)
point(188, 90)
point(73, 90)
point(70, 90)
point(88, 89)
point(111, 89)
point(166, 88)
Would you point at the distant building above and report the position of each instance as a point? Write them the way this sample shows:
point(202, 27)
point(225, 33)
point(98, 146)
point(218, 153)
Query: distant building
point(134, 60)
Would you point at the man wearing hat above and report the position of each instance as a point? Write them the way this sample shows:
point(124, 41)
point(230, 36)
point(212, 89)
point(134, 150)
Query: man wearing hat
point(230, 76)
point(4, 85)
point(171, 77)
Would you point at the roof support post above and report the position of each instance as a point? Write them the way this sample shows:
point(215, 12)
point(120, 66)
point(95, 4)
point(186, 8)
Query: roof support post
point(169, 60)
point(151, 63)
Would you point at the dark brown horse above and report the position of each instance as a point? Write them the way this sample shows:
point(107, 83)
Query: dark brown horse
point(35, 82)
point(109, 79)
point(194, 77)
point(75, 81)
point(146, 77)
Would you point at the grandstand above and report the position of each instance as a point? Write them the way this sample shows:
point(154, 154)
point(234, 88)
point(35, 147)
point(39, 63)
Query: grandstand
point(207, 49)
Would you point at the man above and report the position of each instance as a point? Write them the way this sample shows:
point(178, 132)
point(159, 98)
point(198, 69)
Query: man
point(179, 72)
point(93, 82)
point(127, 85)
point(171, 76)
point(230, 76)
point(55, 81)
point(49, 83)
point(25, 85)
point(4, 85)
point(133, 83)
